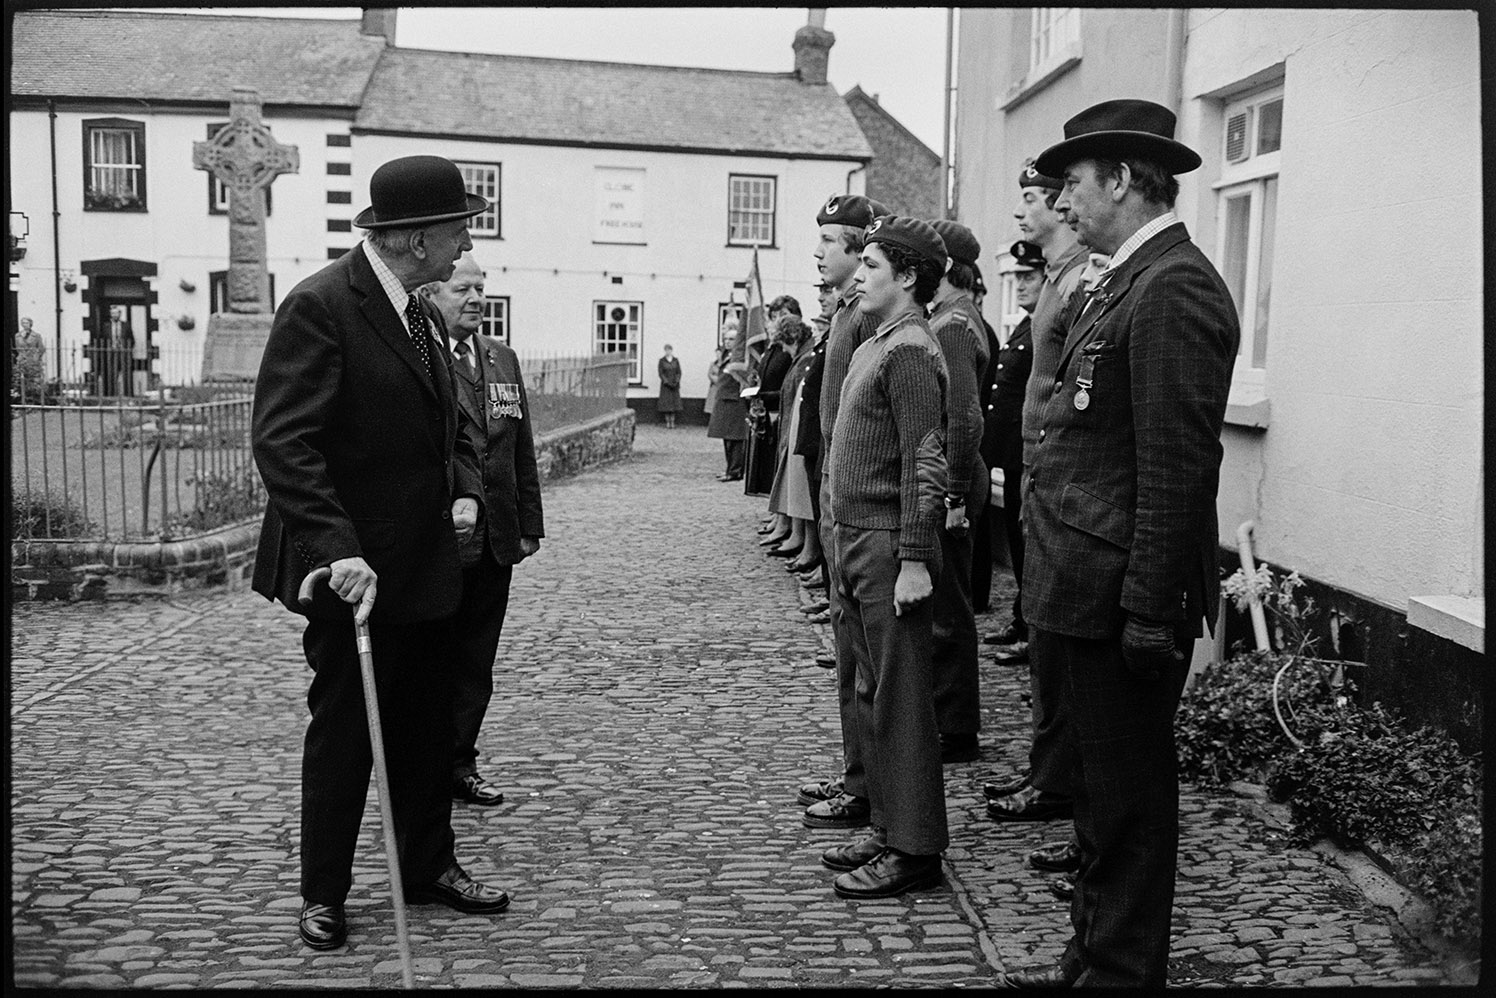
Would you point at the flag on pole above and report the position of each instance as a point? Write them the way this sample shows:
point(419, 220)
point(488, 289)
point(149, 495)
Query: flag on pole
point(755, 330)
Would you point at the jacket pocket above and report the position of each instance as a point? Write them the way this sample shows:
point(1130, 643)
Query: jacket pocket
point(1091, 514)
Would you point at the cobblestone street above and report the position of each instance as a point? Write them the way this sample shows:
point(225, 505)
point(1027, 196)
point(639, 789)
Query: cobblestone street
point(656, 707)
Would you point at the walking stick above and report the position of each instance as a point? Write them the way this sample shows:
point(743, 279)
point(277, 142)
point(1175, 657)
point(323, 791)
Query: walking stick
point(381, 773)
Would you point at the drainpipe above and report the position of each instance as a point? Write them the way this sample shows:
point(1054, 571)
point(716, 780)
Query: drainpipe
point(1174, 60)
point(851, 173)
point(945, 141)
point(1259, 619)
point(56, 247)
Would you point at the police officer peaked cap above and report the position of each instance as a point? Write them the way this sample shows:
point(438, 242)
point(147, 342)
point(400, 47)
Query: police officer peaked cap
point(1117, 129)
point(912, 234)
point(1030, 177)
point(417, 190)
point(1026, 255)
point(850, 209)
point(959, 241)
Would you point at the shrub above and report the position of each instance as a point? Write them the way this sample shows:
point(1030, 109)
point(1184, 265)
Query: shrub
point(1446, 865)
point(221, 499)
point(46, 513)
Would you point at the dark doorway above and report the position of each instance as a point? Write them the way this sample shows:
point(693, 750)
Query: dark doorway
point(121, 349)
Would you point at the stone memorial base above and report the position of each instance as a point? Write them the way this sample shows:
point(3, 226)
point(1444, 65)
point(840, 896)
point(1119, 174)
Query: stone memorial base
point(234, 345)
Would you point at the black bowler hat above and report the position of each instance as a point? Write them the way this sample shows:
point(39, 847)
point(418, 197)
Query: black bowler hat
point(1026, 255)
point(417, 190)
point(913, 234)
point(1116, 129)
point(959, 241)
point(850, 209)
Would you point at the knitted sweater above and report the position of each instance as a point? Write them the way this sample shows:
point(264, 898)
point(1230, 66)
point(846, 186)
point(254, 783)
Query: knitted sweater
point(887, 461)
point(957, 326)
point(850, 329)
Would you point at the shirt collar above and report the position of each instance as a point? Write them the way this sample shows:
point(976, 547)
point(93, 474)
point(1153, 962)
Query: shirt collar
point(1131, 243)
point(1054, 268)
point(391, 284)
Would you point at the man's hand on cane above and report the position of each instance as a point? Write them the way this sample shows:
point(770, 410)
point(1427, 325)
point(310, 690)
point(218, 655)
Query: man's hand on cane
point(354, 582)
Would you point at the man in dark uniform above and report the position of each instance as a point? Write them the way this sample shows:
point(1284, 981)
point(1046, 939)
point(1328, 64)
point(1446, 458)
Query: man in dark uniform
point(492, 393)
point(1120, 511)
point(356, 437)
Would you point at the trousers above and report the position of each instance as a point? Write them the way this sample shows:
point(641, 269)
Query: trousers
point(475, 644)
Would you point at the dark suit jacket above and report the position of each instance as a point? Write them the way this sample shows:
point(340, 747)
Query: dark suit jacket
point(1007, 379)
point(358, 448)
point(772, 368)
point(505, 441)
point(807, 442)
point(1120, 506)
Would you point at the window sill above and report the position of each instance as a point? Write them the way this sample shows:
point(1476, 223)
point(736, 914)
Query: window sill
point(762, 246)
point(1248, 408)
point(1039, 78)
point(1460, 619)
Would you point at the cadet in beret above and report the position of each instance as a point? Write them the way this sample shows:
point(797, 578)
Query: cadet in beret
point(887, 480)
point(958, 328)
point(840, 801)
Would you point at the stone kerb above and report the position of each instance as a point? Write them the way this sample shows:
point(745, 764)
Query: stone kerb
point(85, 569)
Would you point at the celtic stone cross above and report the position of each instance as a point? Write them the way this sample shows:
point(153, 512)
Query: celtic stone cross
point(246, 159)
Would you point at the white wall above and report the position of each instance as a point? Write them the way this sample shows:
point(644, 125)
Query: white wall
point(549, 221)
point(176, 231)
point(1368, 476)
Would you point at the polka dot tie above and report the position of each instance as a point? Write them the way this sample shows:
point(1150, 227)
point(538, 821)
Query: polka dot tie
point(420, 330)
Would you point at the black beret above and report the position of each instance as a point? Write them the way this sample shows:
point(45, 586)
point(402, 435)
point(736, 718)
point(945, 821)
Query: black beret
point(914, 235)
point(850, 209)
point(959, 241)
point(1030, 177)
point(1027, 255)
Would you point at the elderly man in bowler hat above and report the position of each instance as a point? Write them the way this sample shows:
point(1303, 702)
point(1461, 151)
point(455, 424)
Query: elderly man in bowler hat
point(356, 434)
point(888, 479)
point(1120, 507)
point(958, 328)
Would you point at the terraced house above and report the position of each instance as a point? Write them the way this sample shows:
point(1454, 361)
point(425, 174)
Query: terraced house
point(627, 199)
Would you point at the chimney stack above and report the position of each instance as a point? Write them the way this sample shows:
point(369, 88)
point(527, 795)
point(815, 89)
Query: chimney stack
point(379, 22)
point(813, 48)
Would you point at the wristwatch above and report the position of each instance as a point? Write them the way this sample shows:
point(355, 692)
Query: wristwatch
point(953, 501)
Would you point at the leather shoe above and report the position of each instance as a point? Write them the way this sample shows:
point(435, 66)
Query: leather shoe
point(1031, 804)
point(1014, 654)
point(1007, 636)
point(322, 926)
point(455, 889)
point(1054, 977)
point(889, 874)
point(841, 811)
point(811, 609)
point(814, 793)
point(846, 858)
point(826, 660)
point(824, 617)
point(1063, 886)
point(476, 790)
point(784, 552)
point(958, 748)
point(730, 478)
point(1056, 857)
point(997, 791)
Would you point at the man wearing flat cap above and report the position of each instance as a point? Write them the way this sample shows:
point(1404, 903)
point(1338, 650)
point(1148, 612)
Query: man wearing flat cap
point(356, 435)
point(887, 485)
point(838, 801)
point(1120, 564)
point(958, 328)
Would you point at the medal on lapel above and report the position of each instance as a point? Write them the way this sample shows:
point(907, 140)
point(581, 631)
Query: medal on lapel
point(1084, 380)
point(503, 399)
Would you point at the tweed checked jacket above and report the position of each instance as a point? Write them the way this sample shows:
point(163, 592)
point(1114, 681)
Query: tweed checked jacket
point(1120, 509)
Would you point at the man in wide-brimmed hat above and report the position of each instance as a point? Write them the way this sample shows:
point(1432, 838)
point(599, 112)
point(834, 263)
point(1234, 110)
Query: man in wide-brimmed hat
point(1121, 528)
point(356, 436)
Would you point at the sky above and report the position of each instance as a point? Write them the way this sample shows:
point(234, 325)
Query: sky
point(910, 87)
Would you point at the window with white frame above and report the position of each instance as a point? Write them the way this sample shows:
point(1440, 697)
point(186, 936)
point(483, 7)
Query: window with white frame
point(113, 165)
point(483, 179)
point(616, 328)
point(496, 318)
point(1052, 30)
point(1012, 313)
point(1246, 218)
point(750, 210)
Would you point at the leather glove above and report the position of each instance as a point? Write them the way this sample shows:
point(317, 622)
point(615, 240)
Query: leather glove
point(1148, 648)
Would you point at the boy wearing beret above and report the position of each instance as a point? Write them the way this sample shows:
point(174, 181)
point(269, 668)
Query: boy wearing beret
point(887, 485)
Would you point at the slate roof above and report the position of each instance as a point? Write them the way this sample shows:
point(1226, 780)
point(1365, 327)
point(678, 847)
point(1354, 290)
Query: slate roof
point(575, 102)
point(181, 57)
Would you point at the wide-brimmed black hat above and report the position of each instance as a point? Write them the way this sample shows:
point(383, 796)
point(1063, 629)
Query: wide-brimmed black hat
point(1116, 129)
point(417, 190)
